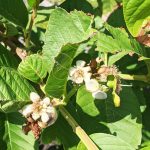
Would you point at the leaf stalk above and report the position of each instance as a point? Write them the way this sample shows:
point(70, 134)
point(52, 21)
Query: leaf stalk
point(144, 78)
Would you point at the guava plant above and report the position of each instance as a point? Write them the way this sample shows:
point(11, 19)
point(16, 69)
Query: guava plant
point(76, 72)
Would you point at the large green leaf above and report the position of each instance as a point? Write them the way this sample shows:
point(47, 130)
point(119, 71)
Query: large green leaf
point(118, 42)
point(14, 90)
point(56, 82)
point(14, 11)
point(135, 14)
point(34, 68)
point(122, 121)
point(11, 134)
point(65, 28)
point(107, 142)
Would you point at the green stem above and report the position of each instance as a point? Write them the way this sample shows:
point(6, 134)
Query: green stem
point(29, 30)
point(106, 59)
point(78, 130)
point(143, 78)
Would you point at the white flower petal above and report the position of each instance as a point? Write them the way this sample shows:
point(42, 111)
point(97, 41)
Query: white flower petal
point(46, 101)
point(80, 63)
point(92, 85)
point(44, 109)
point(50, 109)
point(99, 95)
point(45, 117)
point(34, 97)
point(79, 80)
point(35, 116)
point(27, 110)
point(87, 77)
point(72, 71)
point(87, 69)
point(54, 117)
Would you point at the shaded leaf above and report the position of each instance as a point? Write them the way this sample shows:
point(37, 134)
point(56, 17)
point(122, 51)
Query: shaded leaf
point(18, 16)
point(121, 121)
point(11, 134)
point(6, 58)
point(62, 131)
point(56, 82)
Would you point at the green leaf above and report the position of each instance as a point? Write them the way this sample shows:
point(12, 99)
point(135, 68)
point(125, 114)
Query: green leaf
point(146, 145)
point(107, 44)
point(14, 90)
point(56, 82)
point(118, 42)
point(122, 121)
point(32, 3)
point(107, 142)
point(136, 13)
point(6, 58)
point(108, 6)
point(11, 134)
point(65, 28)
point(116, 57)
point(11, 30)
point(14, 11)
point(34, 68)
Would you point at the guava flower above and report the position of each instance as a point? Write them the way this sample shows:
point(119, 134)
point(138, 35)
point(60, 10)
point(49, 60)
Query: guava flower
point(40, 110)
point(93, 86)
point(80, 73)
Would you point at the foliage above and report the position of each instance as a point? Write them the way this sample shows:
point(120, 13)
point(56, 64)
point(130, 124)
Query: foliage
point(91, 63)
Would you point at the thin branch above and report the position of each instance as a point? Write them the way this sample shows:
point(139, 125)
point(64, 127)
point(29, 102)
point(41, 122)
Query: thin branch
point(106, 59)
point(29, 30)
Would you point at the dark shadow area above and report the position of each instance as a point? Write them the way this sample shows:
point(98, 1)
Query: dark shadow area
point(116, 19)
point(91, 124)
point(145, 116)
point(82, 5)
point(3, 145)
point(61, 131)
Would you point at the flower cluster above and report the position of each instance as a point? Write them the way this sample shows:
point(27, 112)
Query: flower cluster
point(105, 71)
point(41, 110)
point(82, 74)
